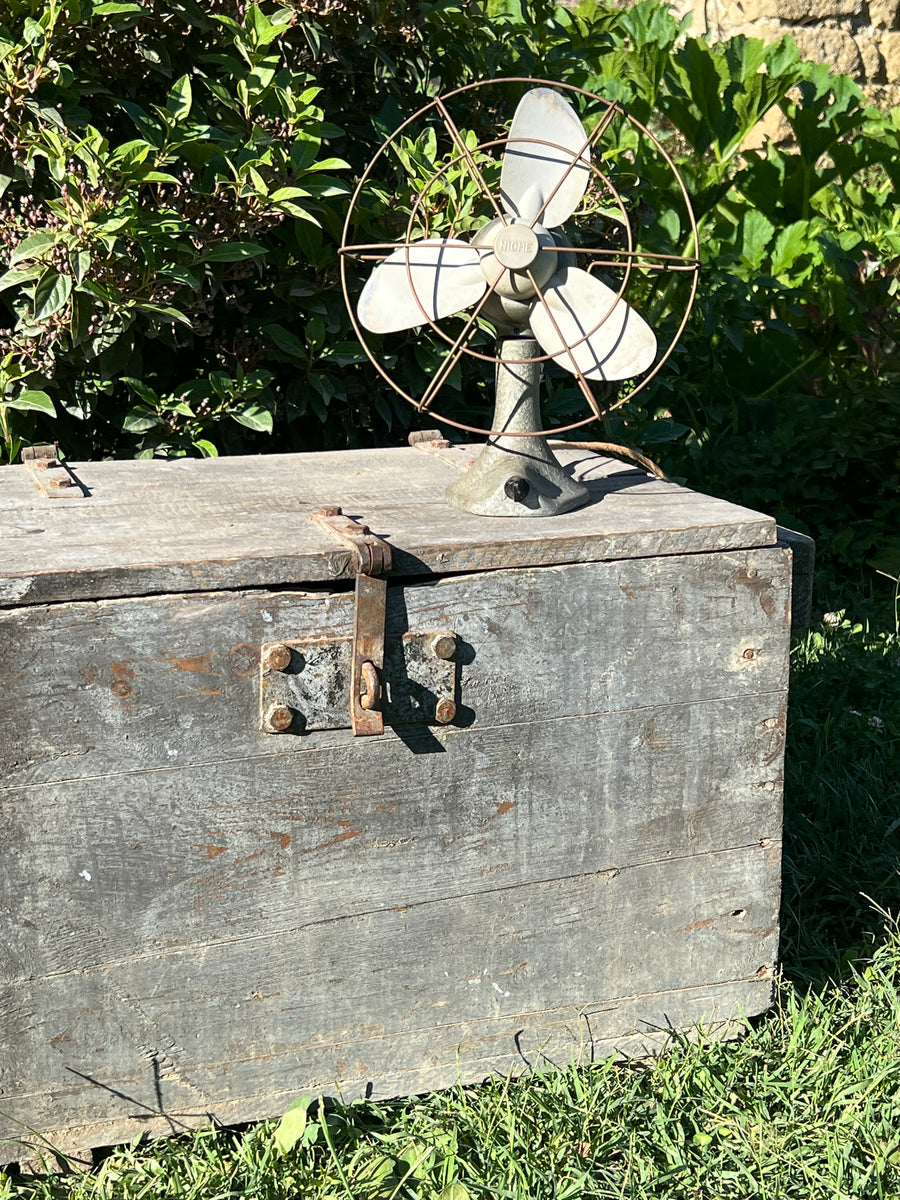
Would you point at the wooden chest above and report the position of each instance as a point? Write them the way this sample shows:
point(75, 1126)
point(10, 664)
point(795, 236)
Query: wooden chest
point(202, 918)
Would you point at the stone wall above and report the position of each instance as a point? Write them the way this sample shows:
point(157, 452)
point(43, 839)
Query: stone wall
point(860, 38)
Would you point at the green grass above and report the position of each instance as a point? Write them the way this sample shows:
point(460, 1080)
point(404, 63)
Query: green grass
point(805, 1105)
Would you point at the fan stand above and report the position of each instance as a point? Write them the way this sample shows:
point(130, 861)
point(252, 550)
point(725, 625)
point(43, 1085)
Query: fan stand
point(517, 476)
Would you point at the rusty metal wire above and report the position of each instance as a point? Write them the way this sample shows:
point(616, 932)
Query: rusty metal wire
point(627, 260)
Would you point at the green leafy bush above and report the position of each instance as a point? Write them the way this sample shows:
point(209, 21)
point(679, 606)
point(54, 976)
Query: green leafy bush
point(173, 181)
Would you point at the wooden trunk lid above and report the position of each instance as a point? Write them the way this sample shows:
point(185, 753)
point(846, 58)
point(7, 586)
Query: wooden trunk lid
point(189, 525)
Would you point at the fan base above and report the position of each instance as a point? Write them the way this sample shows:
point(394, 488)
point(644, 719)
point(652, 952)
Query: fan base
point(517, 476)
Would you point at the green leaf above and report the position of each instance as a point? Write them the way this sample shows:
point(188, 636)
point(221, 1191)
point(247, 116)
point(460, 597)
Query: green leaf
point(13, 278)
point(113, 8)
point(158, 177)
point(32, 32)
point(254, 416)
point(291, 1126)
point(131, 153)
point(789, 245)
point(330, 164)
point(181, 275)
point(140, 419)
point(32, 401)
point(315, 331)
point(454, 1191)
point(145, 123)
point(662, 431)
point(80, 317)
point(262, 31)
point(206, 448)
point(147, 394)
point(164, 312)
point(301, 214)
point(756, 236)
point(180, 98)
point(51, 294)
point(32, 247)
point(286, 341)
point(234, 252)
point(80, 263)
point(304, 150)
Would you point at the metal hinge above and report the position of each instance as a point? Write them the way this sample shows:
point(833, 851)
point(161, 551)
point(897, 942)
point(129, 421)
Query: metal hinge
point(50, 472)
point(372, 558)
point(427, 439)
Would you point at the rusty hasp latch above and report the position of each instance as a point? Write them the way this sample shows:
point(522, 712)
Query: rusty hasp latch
point(304, 683)
point(372, 558)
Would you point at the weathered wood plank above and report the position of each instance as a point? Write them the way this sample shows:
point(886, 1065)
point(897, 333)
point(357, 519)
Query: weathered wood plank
point(492, 1047)
point(118, 686)
point(103, 869)
point(199, 525)
point(414, 992)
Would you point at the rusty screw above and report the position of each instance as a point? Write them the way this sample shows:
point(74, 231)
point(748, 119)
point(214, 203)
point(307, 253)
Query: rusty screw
point(370, 685)
point(443, 645)
point(278, 718)
point(277, 657)
point(445, 711)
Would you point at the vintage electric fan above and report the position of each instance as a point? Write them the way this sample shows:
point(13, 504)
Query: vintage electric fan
point(519, 274)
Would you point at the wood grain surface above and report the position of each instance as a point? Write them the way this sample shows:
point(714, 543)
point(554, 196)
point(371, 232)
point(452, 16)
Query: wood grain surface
point(205, 524)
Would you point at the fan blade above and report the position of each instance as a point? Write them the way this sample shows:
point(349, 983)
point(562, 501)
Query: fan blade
point(433, 278)
point(573, 302)
point(532, 172)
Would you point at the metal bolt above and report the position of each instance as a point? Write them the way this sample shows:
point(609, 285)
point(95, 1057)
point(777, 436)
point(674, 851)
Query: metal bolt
point(517, 488)
point(443, 645)
point(445, 711)
point(278, 718)
point(370, 685)
point(749, 654)
point(278, 657)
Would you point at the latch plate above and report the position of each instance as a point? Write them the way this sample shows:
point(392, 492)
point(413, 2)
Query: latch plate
point(418, 682)
point(371, 559)
point(367, 656)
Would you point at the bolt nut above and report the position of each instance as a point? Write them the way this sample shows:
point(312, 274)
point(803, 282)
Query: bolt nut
point(277, 657)
point(278, 718)
point(443, 645)
point(445, 711)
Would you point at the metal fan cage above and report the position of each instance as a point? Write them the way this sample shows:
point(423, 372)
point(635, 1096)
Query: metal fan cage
point(628, 260)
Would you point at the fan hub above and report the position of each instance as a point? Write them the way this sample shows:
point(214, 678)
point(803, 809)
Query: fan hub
point(517, 257)
point(516, 247)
